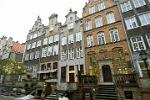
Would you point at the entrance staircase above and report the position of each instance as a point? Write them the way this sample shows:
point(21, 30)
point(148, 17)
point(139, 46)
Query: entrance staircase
point(105, 92)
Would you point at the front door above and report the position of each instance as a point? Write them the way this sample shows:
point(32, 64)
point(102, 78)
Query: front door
point(107, 76)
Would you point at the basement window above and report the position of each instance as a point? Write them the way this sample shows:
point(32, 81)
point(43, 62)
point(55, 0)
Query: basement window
point(128, 94)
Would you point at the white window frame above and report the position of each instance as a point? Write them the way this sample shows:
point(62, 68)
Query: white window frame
point(63, 55)
point(148, 39)
point(92, 10)
point(28, 46)
point(131, 23)
point(44, 52)
point(71, 54)
point(55, 49)
point(39, 43)
point(49, 50)
point(56, 38)
point(26, 57)
point(79, 36)
point(37, 54)
point(145, 18)
point(70, 38)
point(64, 40)
point(137, 43)
point(70, 26)
point(88, 25)
point(90, 41)
point(101, 6)
point(34, 35)
point(101, 38)
point(31, 55)
point(33, 45)
point(114, 35)
point(144, 69)
point(50, 40)
point(45, 41)
point(79, 52)
point(138, 3)
point(126, 6)
point(110, 17)
point(98, 21)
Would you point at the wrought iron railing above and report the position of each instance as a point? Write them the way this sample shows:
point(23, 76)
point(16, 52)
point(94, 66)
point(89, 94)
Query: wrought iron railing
point(125, 80)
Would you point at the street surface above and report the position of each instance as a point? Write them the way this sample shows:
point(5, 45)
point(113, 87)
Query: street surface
point(6, 97)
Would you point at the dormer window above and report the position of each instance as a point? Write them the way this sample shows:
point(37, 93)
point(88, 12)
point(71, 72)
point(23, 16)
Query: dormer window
point(70, 26)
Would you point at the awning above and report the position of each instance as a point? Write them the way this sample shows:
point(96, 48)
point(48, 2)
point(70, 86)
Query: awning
point(47, 71)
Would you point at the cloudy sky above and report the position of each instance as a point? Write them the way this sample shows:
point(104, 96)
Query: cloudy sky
point(17, 16)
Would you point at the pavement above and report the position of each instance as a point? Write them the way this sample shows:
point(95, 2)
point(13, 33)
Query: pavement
point(2, 97)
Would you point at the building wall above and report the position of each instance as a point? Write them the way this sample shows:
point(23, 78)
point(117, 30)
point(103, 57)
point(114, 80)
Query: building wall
point(104, 54)
point(67, 62)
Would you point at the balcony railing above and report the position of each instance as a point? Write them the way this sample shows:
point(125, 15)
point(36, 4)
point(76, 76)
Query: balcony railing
point(125, 80)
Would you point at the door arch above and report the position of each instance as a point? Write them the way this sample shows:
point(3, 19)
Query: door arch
point(107, 75)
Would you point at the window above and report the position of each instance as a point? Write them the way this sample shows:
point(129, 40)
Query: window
point(110, 18)
point(101, 38)
point(28, 46)
point(128, 94)
point(71, 54)
point(55, 65)
point(28, 37)
point(148, 38)
point(33, 44)
point(98, 21)
point(92, 59)
point(145, 18)
point(64, 41)
point(63, 74)
point(44, 52)
point(26, 57)
point(138, 3)
point(31, 37)
point(56, 38)
point(70, 39)
point(38, 43)
point(126, 6)
point(50, 40)
point(88, 25)
point(90, 41)
point(64, 55)
point(131, 23)
point(70, 26)
point(37, 54)
point(31, 55)
point(45, 41)
point(55, 50)
point(49, 51)
point(114, 35)
point(92, 10)
point(34, 35)
point(79, 52)
point(137, 43)
point(142, 69)
point(71, 77)
point(101, 6)
point(78, 36)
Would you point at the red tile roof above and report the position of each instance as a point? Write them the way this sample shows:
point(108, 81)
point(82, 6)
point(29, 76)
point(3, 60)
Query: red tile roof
point(17, 47)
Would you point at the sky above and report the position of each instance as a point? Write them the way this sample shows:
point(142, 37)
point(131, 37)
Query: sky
point(18, 16)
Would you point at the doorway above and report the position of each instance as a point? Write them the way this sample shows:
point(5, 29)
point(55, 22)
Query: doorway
point(107, 75)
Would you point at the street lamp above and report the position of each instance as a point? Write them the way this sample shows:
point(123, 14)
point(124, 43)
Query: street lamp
point(143, 54)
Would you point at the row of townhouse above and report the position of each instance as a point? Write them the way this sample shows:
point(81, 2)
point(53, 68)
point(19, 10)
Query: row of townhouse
point(10, 50)
point(106, 42)
point(54, 53)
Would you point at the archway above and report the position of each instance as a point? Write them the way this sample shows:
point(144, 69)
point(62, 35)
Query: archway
point(107, 75)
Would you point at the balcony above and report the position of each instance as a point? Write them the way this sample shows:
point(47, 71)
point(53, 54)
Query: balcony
point(125, 80)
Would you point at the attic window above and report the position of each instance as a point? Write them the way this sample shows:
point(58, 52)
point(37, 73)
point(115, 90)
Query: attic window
point(70, 18)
